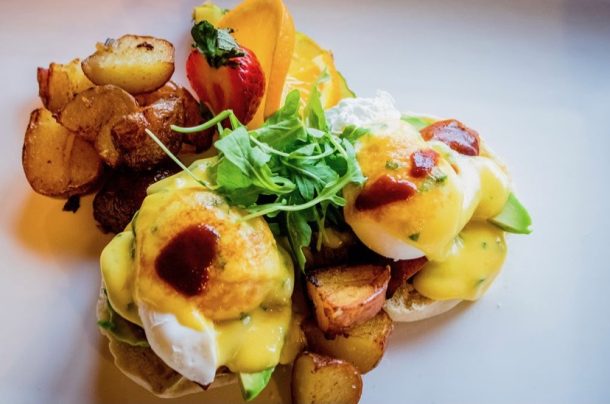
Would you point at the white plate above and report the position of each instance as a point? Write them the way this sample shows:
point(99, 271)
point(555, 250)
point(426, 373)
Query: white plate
point(532, 77)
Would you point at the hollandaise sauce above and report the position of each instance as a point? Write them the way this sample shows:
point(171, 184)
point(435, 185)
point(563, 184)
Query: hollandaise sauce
point(430, 194)
point(188, 255)
point(254, 341)
point(476, 256)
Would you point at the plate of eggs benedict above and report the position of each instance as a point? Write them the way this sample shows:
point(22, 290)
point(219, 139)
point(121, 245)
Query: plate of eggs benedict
point(209, 286)
point(271, 221)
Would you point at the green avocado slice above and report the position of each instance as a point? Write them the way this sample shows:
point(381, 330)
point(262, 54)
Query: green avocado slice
point(253, 383)
point(418, 121)
point(514, 218)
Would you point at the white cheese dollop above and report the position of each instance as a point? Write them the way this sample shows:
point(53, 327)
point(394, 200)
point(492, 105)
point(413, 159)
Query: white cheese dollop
point(377, 114)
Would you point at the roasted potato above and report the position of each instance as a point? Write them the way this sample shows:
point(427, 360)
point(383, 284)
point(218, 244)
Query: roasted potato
point(135, 148)
point(318, 379)
point(363, 345)
point(56, 162)
point(137, 64)
point(168, 90)
point(402, 271)
point(58, 84)
point(93, 113)
point(194, 113)
point(345, 296)
point(122, 195)
point(345, 250)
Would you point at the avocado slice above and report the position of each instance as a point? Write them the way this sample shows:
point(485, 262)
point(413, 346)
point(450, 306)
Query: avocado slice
point(253, 383)
point(514, 218)
point(418, 121)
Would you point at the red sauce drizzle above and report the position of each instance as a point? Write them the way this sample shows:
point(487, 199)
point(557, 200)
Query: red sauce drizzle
point(183, 263)
point(454, 134)
point(422, 162)
point(383, 191)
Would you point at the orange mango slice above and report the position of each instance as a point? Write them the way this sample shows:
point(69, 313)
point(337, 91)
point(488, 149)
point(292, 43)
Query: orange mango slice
point(310, 65)
point(266, 28)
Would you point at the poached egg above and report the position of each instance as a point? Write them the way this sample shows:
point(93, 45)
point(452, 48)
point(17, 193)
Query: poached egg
point(208, 288)
point(428, 193)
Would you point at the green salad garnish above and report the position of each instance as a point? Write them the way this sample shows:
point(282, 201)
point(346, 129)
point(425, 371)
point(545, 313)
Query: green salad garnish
point(292, 169)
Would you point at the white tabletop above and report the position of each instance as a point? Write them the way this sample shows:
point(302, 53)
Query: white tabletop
point(532, 77)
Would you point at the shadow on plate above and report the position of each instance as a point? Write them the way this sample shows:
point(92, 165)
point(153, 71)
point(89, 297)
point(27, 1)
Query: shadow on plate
point(42, 227)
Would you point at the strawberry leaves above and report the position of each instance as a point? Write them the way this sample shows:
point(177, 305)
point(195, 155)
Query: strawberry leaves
point(217, 45)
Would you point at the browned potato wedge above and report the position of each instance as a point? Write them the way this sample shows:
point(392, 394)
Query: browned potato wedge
point(194, 113)
point(346, 250)
point(363, 345)
point(136, 149)
point(137, 64)
point(122, 195)
point(58, 84)
point(345, 296)
point(93, 113)
point(402, 271)
point(168, 90)
point(318, 379)
point(56, 162)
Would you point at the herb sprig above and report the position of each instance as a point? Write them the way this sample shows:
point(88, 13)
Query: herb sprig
point(292, 169)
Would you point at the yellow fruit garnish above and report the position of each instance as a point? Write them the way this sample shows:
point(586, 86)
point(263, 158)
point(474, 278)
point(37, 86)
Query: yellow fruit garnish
point(208, 11)
point(311, 64)
point(266, 28)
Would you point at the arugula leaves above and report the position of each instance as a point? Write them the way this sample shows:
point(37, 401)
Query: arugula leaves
point(292, 169)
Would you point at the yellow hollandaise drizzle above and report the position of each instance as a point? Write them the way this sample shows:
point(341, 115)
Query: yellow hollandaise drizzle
point(116, 263)
point(254, 342)
point(249, 342)
point(474, 261)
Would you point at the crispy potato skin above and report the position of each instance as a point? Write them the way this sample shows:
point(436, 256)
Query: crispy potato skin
point(137, 64)
point(42, 76)
point(95, 110)
point(194, 113)
point(56, 162)
point(345, 296)
point(135, 148)
point(318, 379)
point(402, 271)
point(122, 195)
point(350, 252)
point(362, 345)
point(59, 83)
point(168, 90)
point(115, 123)
point(93, 113)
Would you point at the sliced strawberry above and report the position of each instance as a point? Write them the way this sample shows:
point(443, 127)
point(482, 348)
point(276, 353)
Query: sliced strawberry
point(223, 74)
